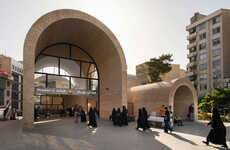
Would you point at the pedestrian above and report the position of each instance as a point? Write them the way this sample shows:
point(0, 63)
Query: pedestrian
point(190, 112)
point(162, 111)
point(167, 121)
point(83, 116)
point(118, 117)
point(92, 118)
point(145, 117)
point(140, 120)
point(114, 116)
point(124, 115)
point(217, 134)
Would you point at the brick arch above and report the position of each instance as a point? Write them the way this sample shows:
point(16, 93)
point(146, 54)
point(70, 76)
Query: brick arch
point(185, 87)
point(76, 27)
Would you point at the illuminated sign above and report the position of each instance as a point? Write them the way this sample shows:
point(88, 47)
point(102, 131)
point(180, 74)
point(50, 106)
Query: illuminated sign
point(62, 91)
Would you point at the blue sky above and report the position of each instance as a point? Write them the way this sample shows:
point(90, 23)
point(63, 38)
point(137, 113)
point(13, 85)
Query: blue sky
point(144, 28)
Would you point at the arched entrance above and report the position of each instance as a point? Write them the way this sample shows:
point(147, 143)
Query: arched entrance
point(182, 95)
point(182, 100)
point(78, 31)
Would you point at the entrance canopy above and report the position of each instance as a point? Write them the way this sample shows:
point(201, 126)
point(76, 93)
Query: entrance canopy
point(83, 32)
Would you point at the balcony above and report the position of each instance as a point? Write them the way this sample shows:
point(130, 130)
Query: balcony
point(191, 54)
point(191, 45)
point(192, 73)
point(191, 36)
point(191, 64)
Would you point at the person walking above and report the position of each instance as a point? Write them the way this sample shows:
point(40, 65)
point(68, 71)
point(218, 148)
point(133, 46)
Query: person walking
point(145, 117)
point(167, 121)
point(217, 134)
point(118, 117)
point(92, 118)
point(124, 115)
point(113, 117)
point(140, 120)
point(83, 116)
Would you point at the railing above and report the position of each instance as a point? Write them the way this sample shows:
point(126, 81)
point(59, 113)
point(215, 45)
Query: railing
point(191, 36)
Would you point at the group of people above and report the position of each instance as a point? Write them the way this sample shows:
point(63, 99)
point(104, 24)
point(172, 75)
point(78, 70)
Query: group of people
point(119, 118)
point(142, 121)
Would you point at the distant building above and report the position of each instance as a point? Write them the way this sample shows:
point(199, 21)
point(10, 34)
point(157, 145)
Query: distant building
point(5, 88)
point(15, 68)
point(209, 50)
point(142, 73)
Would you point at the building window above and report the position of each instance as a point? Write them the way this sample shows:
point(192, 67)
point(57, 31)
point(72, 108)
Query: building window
point(202, 26)
point(203, 66)
point(216, 30)
point(203, 76)
point(202, 36)
point(216, 74)
point(216, 20)
point(216, 52)
point(215, 41)
point(203, 87)
point(202, 46)
point(203, 56)
point(216, 63)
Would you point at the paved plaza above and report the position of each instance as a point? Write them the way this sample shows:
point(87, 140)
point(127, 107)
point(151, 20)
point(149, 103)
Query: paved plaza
point(67, 135)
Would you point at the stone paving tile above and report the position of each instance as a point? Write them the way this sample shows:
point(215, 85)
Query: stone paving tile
point(67, 135)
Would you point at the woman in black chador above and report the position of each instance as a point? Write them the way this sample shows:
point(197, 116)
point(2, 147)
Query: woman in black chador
point(140, 120)
point(217, 134)
point(124, 116)
point(145, 117)
point(92, 118)
point(83, 116)
point(118, 117)
point(114, 116)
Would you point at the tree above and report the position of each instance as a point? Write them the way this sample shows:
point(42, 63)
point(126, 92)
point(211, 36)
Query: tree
point(158, 66)
point(219, 97)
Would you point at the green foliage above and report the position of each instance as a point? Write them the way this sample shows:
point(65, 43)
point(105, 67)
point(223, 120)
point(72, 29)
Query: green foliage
point(204, 115)
point(219, 97)
point(158, 66)
point(229, 116)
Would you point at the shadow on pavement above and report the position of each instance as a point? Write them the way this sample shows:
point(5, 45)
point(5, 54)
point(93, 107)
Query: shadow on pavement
point(66, 134)
point(182, 138)
point(198, 129)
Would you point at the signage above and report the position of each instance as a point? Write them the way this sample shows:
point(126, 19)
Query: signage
point(64, 91)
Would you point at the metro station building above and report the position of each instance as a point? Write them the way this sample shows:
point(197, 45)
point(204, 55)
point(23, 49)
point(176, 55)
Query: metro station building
point(79, 50)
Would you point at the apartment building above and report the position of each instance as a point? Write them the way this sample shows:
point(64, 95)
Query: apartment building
point(175, 72)
point(209, 50)
point(15, 68)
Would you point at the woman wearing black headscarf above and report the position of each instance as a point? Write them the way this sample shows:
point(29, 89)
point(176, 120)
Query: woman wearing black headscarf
point(217, 134)
point(114, 116)
point(145, 117)
point(140, 120)
point(92, 118)
point(124, 115)
point(118, 117)
point(83, 116)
